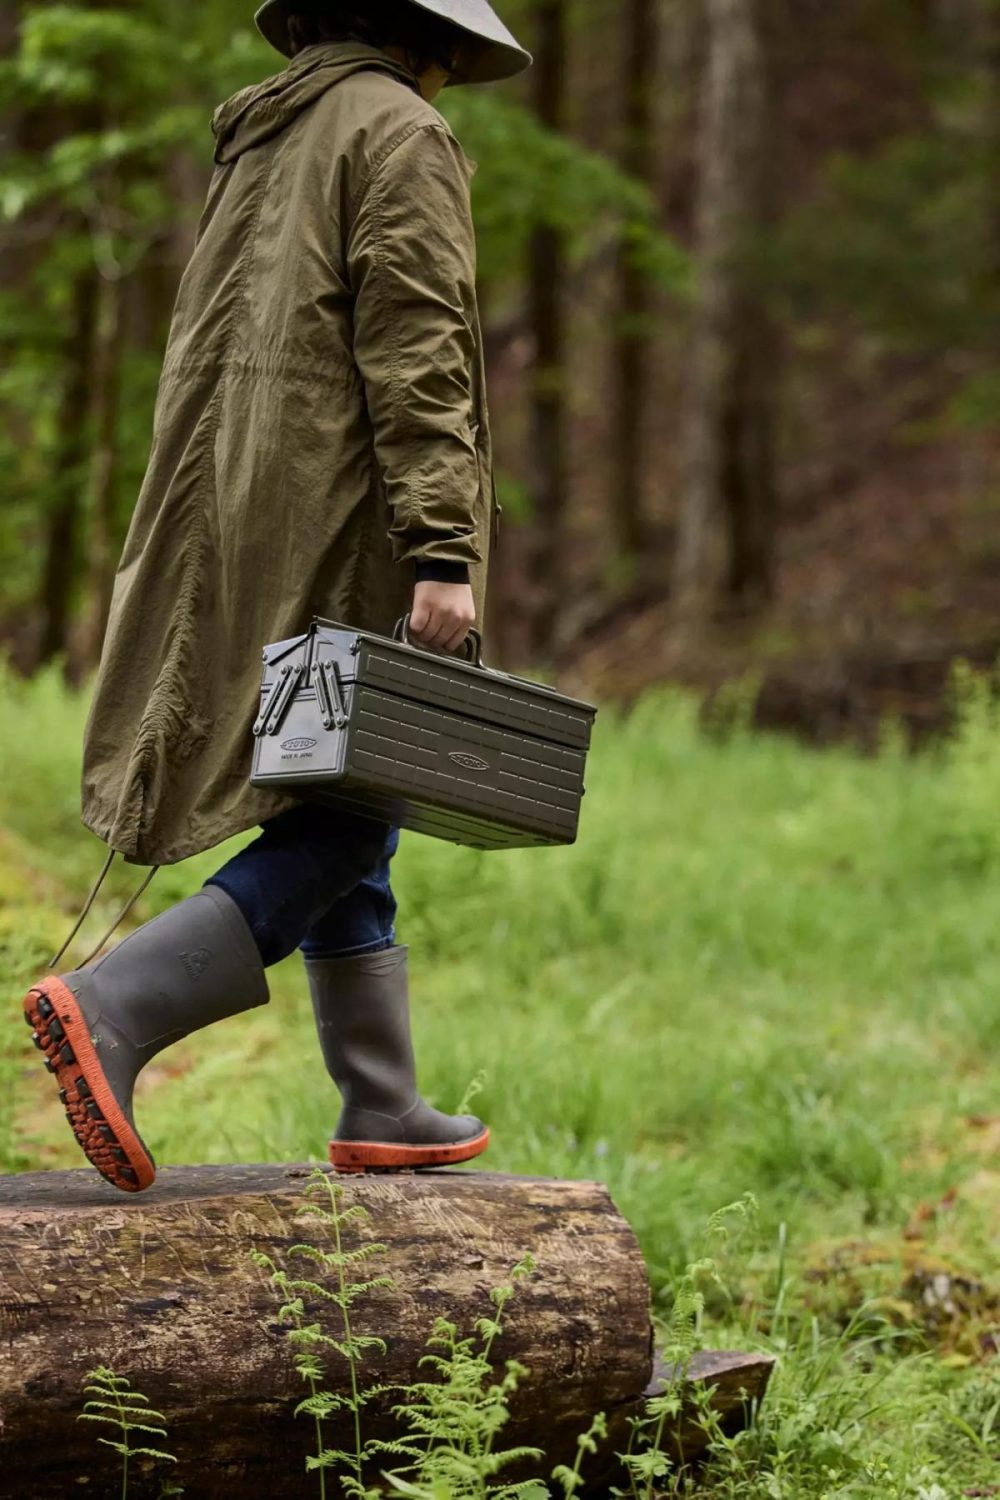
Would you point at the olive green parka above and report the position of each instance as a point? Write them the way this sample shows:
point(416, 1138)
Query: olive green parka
point(320, 427)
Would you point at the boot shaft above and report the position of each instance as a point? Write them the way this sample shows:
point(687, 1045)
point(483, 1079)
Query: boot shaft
point(362, 1011)
point(195, 964)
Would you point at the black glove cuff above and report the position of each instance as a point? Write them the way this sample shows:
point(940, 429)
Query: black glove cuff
point(432, 570)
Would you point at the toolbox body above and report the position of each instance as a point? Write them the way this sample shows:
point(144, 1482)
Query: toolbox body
point(430, 742)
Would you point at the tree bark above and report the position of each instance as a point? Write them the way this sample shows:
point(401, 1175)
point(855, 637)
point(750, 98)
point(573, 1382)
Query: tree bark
point(62, 522)
point(632, 342)
point(546, 274)
point(991, 125)
point(726, 533)
point(161, 1288)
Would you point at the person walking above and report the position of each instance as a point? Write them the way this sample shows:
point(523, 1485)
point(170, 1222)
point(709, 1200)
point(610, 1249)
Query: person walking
point(321, 447)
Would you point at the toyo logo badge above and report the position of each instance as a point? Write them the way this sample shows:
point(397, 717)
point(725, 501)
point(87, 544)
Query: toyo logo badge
point(468, 762)
point(300, 744)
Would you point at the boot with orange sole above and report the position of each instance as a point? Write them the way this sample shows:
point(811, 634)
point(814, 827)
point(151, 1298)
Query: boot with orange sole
point(362, 1013)
point(98, 1026)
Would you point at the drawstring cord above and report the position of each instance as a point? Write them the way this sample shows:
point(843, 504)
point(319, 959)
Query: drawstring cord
point(53, 962)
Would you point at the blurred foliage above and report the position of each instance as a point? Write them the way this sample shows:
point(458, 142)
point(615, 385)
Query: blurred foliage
point(113, 100)
point(530, 176)
point(890, 237)
point(904, 242)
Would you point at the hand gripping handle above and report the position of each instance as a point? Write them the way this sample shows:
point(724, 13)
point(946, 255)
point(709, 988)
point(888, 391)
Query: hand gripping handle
point(473, 643)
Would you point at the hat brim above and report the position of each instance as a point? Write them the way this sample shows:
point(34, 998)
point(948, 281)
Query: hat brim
point(484, 60)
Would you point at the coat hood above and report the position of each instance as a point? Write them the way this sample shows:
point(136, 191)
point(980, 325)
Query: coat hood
point(263, 110)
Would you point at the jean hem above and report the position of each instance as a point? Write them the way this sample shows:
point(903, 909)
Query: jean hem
point(360, 951)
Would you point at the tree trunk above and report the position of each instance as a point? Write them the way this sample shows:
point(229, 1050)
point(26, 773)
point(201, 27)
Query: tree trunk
point(991, 126)
point(632, 341)
point(68, 477)
point(726, 534)
point(162, 1289)
point(546, 274)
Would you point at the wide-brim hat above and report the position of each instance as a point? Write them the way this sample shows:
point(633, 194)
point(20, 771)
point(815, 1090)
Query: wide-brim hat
point(498, 55)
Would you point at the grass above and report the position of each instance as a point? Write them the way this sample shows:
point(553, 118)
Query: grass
point(762, 969)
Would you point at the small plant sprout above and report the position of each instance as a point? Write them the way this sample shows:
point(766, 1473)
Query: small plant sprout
point(476, 1086)
point(113, 1401)
point(570, 1480)
point(455, 1419)
point(646, 1461)
point(308, 1339)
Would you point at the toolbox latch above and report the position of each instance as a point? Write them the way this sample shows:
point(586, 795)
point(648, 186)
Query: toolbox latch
point(272, 714)
point(329, 694)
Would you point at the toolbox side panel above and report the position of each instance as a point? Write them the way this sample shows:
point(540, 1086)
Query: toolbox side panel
point(440, 758)
point(489, 696)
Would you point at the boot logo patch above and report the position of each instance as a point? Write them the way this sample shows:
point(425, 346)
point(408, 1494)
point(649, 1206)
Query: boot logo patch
point(196, 962)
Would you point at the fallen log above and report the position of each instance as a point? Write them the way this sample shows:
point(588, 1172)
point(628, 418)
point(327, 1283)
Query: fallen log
point(162, 1288)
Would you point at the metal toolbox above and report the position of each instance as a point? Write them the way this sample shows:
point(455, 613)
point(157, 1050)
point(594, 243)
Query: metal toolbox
point(435, 743)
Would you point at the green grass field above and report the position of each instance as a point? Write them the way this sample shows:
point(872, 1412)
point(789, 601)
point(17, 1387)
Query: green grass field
point(762, 970)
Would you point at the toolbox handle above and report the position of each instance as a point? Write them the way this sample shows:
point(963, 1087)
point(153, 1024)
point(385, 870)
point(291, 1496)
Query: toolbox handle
point(473, 643)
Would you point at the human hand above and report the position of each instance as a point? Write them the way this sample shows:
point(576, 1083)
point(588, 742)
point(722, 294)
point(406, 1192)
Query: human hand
point(442, 615)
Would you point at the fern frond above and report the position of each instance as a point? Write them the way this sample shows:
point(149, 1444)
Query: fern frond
point(114, 1403)
point(397, 1446)
point(513, 1456)
point(321, 1404)
point(143, 1427)
point(118, 1447)
point(360, 1288)
point(372, 1392)
point(524, 1489)
point(329, 1458)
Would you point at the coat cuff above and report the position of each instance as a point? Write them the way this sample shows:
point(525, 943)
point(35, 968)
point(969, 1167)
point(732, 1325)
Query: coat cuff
point(436, 570)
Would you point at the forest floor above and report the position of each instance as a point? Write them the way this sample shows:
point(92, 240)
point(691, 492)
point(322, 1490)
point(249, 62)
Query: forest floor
point(762, 970)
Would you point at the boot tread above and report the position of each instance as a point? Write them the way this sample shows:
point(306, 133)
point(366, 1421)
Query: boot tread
point(94, 1114)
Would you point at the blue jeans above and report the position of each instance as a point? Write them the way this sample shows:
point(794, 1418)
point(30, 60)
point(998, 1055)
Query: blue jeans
point(316, 879)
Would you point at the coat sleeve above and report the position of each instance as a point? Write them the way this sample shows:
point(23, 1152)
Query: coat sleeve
point(411, 259)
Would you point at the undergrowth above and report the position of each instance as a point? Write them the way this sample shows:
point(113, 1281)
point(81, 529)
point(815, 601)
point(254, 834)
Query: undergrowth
point(454, 1421)
point(448, 1425)
point(310, 1342)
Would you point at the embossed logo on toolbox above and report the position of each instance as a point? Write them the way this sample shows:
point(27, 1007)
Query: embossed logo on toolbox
point(300, 744)
point(469, 762)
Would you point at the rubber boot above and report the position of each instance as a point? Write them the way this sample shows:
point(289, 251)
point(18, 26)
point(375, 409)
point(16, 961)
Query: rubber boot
point(98, 1026)
point(363, 1016)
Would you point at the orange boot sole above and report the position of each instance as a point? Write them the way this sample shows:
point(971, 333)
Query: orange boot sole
point(98, 1121)
point(379, 1156)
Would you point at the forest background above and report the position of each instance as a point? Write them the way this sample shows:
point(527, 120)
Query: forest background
point(740, 271)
